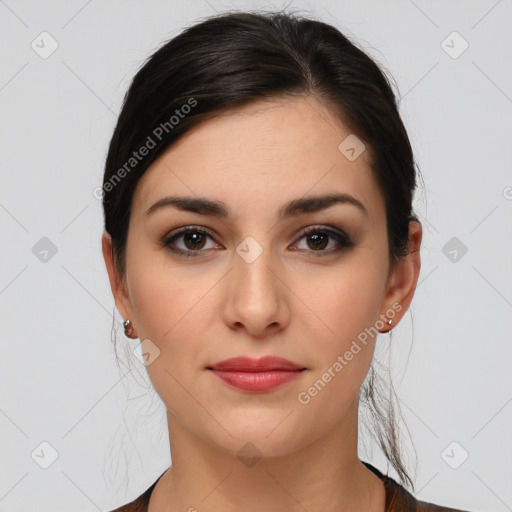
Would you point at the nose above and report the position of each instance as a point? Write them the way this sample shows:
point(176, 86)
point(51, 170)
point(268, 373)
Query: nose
point(256, 299)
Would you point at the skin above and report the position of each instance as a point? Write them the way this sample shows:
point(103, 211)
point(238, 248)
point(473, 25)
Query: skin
point(201, 310)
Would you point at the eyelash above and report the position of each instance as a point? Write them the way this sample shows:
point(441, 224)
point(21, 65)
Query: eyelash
point(341, 238)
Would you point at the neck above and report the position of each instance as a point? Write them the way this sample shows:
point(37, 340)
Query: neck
point(324, 475)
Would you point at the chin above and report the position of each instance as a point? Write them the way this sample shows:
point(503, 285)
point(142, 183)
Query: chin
point(263, 437)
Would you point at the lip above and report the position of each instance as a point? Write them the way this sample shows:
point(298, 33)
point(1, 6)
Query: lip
point(263, 364)
point(256, 375)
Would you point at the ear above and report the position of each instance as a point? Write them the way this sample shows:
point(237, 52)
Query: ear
point(117, 284)
point(403, 278)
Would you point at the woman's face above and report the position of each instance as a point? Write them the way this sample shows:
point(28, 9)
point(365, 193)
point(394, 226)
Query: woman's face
point(251, 283)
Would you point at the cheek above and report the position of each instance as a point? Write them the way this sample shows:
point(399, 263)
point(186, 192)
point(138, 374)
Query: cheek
point(344, 306)
point(173, 310)
point(166, 301)
point(340, 367)
point(343, 303)
point(169, 312)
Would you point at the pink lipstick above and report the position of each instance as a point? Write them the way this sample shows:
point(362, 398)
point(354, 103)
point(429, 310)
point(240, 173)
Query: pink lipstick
point(256, 375)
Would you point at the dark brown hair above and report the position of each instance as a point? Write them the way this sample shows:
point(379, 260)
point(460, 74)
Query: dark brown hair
point(230, 60)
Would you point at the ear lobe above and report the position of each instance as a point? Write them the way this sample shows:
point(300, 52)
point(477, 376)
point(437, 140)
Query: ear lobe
point(404, 277)
point(116, 283)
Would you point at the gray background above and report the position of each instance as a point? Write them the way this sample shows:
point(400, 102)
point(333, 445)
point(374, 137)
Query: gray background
point(104, 427)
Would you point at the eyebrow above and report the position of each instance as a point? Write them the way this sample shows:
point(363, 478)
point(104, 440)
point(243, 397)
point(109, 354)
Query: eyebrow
point(293, 208)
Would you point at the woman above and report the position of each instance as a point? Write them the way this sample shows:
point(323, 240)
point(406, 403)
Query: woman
point(259, 234)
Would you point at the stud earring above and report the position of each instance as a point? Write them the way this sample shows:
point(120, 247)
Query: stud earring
point(389, 322)
point(128, 329)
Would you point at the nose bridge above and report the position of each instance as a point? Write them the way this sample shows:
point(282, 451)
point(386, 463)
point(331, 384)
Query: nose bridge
point(252, 272)
point(256, 296)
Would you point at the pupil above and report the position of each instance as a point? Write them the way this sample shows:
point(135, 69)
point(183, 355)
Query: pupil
point(316, 239)
point(195, 238)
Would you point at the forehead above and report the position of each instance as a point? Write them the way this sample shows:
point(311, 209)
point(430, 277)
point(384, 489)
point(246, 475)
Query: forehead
point(261, 155)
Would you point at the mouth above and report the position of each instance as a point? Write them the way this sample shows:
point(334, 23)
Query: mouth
point(256, 375)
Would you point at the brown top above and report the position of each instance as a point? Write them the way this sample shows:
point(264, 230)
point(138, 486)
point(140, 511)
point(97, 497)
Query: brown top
point(398, 499)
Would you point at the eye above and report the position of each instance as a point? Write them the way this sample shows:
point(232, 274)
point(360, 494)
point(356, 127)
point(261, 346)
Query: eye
point(317, 239)
point(194, 240)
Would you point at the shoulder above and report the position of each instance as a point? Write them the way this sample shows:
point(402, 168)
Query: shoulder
point(140, 504)
point(424, 506)
point(399, 499)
